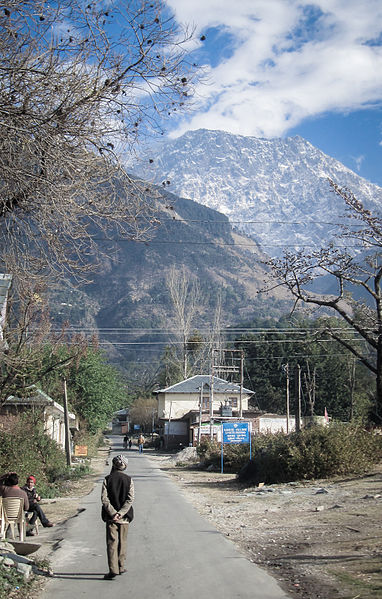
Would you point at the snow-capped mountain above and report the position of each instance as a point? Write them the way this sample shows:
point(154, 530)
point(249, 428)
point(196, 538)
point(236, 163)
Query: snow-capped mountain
point(277, 190)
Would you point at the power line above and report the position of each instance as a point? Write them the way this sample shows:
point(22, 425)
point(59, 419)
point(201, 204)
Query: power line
point(202, 342)
point(237, 330)
point(221, 244)
point(255, 222)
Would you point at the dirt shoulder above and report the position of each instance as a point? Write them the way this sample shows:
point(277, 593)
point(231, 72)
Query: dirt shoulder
point(320, 539)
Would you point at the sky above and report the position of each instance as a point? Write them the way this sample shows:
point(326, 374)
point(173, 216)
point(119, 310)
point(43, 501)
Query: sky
point(279, 68)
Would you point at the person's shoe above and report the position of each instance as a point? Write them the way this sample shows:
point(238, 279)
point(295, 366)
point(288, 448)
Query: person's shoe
point(30, 533)
point(48, 525)
point(109, 576)
point(122, 570)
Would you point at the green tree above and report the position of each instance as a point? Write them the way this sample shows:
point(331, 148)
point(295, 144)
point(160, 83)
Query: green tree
point(96, 389)
point(326, 368)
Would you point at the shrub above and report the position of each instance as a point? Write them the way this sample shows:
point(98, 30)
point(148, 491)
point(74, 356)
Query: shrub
point(317, 452)
point(26, 449)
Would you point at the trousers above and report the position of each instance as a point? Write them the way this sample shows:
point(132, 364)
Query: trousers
point(37, 511)
point(116, 545)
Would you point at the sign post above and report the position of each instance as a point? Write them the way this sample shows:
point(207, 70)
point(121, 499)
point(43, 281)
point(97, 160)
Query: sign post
point(235, 432)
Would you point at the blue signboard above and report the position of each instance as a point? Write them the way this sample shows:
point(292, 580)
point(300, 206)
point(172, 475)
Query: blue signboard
point(236, 432)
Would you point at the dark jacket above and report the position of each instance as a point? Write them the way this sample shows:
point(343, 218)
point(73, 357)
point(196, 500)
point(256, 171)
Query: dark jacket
point(32, 495)
point(117, 496)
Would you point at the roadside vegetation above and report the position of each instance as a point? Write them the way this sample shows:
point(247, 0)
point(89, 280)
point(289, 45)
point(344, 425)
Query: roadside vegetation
point(313, 453)
point(26, 449)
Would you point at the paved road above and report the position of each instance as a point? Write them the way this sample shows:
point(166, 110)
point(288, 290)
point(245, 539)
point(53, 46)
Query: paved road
point(172, 551)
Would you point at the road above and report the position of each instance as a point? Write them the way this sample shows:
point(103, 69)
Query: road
point(172, 551)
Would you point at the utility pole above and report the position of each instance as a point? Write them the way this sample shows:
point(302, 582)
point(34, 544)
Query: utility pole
point(241, 383)
point(200, 413)
point(212, 403)
point(298, 396)
point(287, 396)
point(66, 427)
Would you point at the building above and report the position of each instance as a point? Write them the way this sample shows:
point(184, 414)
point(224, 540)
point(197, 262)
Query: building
point(51, 412)
point(189, 408)
point(120, 423)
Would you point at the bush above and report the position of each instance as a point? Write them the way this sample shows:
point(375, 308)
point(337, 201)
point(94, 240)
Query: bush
point(317, 452)
point(26, 449)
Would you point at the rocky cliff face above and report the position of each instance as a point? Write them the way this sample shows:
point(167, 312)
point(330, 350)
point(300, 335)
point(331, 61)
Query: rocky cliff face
point(128, 303)
point(277, 190)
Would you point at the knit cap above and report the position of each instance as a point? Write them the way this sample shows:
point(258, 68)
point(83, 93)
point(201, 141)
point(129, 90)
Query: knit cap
point(120, 462)
point(32, 478)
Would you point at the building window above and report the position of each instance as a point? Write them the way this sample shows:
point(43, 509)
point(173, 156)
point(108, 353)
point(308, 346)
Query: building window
point(206, 402)
point(233, 401)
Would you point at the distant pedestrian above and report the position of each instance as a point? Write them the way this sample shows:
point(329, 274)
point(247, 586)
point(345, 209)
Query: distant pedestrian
point(130, 443)
point(125, 441)
point(117, 511)
point(141, 441)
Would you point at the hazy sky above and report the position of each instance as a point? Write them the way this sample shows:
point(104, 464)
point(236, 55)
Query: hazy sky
point(275, 68)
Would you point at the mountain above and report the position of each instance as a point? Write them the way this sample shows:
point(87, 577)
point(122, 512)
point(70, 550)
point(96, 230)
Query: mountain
point(128, 303)
point(276, 190)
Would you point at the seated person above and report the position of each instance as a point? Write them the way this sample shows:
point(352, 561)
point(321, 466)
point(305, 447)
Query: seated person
point(9, 487)
point(34, 507)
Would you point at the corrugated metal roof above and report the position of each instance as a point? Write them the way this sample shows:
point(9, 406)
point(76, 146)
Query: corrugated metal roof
point(37, 397)
point(194, 384)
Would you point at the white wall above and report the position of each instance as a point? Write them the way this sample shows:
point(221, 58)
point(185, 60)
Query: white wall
point(176, 405)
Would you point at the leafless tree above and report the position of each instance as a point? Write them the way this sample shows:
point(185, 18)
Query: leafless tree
point(80, 82)
point(185, 296)
point(352, 269)
point(27, 357)
point(310, 386)
point(144, 411)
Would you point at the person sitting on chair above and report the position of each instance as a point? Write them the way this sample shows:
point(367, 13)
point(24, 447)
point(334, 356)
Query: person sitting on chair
point(34, 507)
point(9, 487)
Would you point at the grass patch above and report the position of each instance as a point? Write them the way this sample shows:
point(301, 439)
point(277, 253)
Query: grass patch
point(356, 581)
point(12, 583)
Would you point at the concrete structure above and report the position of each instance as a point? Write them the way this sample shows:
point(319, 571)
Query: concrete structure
point(52, 413)
point(201, 398)
point(120, 423)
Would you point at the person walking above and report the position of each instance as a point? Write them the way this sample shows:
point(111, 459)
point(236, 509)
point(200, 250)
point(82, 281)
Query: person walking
point(117, 511)
point(141, 441)
point(34, 507)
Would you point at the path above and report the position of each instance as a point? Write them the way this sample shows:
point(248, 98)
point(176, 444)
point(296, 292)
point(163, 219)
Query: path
point(172, 551)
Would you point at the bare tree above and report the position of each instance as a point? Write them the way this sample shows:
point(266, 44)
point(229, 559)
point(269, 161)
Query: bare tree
point(352, 270)
point(27, 356)
point(185, 297)
point(79, 83)
point(310, 386)
point(144, 411)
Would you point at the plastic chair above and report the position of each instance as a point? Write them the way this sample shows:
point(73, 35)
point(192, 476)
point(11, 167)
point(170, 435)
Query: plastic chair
point(13, 509)
point(2, 518)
